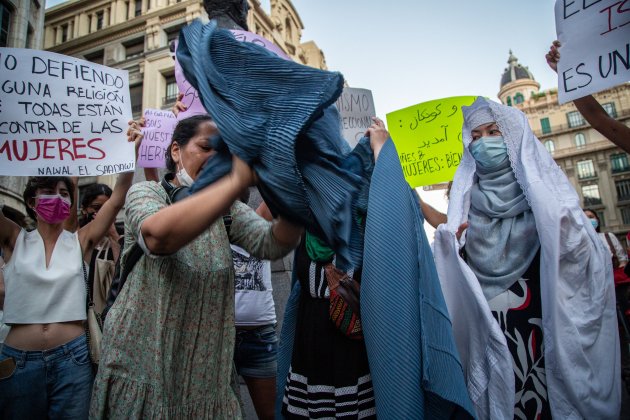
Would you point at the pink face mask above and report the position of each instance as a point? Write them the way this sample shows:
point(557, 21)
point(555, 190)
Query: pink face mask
point(52, 209)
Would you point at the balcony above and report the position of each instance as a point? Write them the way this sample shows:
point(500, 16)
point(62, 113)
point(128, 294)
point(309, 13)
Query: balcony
point(592, 201)
point(587, 175)
point(563, 128)
point(169, 101)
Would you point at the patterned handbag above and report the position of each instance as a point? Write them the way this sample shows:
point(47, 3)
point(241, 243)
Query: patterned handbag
point(345, 310)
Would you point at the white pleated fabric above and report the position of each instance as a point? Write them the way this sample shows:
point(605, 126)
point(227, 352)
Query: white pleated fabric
point(578, 300)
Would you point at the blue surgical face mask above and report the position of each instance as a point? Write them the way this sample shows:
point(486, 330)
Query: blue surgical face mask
point(595, 223)
point(489, 151)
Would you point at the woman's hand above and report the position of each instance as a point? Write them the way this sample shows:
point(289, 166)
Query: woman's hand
point(242, 174)
point(179, 105)
point(378, 135)
point(553, 56)
point(134, 133)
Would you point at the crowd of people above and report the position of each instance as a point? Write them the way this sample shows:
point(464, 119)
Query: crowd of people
point(526, 274)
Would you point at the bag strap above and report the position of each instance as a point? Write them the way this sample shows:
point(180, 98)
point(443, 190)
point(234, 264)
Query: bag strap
point(610, 245)
point(88, 287)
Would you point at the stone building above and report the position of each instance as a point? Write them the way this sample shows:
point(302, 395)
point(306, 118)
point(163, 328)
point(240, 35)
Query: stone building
point(22, 24)
point(599, 170)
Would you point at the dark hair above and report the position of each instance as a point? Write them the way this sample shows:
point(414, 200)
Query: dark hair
point(599, 222)
point(184, 131)
point(93, 191)
point(38, 182)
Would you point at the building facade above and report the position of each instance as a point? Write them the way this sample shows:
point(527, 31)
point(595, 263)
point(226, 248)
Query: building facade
point(599, 170)
point(22, 24)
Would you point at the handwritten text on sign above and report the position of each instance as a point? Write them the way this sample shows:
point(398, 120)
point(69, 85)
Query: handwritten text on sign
point(428, 137)
point(62, 116)
point(356, 109)
point(595, 51)
point(158, 132)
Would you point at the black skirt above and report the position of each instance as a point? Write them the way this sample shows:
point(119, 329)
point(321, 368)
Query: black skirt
point(329, 374)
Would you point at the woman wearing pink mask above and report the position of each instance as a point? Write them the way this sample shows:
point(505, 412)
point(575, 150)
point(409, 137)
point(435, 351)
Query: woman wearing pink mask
point(45, 368)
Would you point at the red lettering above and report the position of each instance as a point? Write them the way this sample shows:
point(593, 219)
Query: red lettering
point(76, 143)
point(49, 144)
point(24, 154)
point(611, 15)
point(6, 148)
point(37, 142)
point(96, 149)
point(64, 144)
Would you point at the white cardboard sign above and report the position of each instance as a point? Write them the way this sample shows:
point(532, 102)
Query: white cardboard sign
point(62, 116)
point(356, 109)
point(595, 51)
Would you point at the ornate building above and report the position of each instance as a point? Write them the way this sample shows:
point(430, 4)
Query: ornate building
point(22, 24)
point(133, 35)
point(599, 170)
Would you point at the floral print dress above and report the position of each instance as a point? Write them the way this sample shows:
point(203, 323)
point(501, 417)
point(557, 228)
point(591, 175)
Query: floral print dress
point(169, 338)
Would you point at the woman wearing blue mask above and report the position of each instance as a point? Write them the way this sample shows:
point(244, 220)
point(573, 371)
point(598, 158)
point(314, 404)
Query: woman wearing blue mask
point(529, 285)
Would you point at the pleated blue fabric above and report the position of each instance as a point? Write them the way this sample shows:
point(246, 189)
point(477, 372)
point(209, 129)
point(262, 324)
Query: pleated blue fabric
point(415, 368)
point(413, 360)
point(279, 117)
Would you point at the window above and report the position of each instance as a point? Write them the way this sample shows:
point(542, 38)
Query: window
point(171, 90)
point(610, 109)
point(99, 20)
point(519, 98)
point(96, 57)
point(509, 101)
point(580, 140)
point(591, 195)
point(623, 189)
point(602, 221)
point(64, 33)
point(585, 169)
point(138, 7)
point(619, 162)
point(5, 21)
point(135, 93)
point(550, 146)
point(29, 37)
point(545, 126)
point(134, 48)
point(575, 119)
point(625, 215)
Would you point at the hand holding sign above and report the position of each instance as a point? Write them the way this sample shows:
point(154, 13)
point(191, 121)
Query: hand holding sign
point(428, 137)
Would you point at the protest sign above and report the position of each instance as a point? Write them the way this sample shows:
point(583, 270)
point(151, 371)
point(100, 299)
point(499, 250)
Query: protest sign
point(158, 132)
point(428, 138)
point(595, 51)
point(62, 116)
point(191, 96)
point(356, 109)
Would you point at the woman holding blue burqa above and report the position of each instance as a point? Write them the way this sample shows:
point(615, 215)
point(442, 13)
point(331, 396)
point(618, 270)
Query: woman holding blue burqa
point(279, 117)
point(529, 286)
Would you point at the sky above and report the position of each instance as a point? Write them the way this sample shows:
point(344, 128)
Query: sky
point(411, 51)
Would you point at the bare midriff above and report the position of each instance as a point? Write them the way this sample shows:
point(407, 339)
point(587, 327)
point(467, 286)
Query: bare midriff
point(38, 337)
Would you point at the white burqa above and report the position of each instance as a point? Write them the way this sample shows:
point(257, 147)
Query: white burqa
point(581, 345)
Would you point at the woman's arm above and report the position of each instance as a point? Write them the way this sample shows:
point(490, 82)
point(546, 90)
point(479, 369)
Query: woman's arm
point(431, 215)
point(9, 232)
point(92, 233)
point(172, 227)
point(71, 224)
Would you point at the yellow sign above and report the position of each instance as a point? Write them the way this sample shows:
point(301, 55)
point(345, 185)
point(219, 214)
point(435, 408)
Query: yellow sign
point(428, 137)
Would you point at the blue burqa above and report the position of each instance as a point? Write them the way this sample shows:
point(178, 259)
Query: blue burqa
point(277, 116)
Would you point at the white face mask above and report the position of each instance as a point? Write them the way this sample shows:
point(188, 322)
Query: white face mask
point(182, 175)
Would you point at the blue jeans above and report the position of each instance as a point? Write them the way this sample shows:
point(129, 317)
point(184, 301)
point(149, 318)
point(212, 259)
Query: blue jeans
point(256, 352)
point(52, 384)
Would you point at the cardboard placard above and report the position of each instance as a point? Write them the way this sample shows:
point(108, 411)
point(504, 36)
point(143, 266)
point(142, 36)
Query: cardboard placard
point(356, 109)
point(62, 116)
point(158, 132)
point(428, 137)
point(595, 50)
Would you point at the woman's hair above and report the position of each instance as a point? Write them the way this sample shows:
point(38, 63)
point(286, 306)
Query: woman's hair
point(599, 222)
point(184, 131)
point(38, 182)
point(94, 191)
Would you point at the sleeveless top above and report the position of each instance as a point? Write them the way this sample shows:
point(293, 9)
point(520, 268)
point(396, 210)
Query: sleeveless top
point(35, 294)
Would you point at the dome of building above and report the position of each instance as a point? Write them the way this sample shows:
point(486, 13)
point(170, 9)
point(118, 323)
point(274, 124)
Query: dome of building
point(515, 71)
